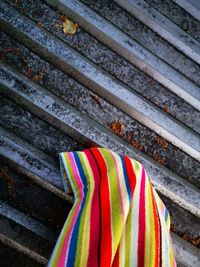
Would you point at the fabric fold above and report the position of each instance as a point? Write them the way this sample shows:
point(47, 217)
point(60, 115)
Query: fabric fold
point(117, 218)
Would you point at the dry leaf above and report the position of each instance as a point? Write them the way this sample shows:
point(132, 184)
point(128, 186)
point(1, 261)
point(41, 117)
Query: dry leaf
point(133, 142)
point(159, 158)
point(136, 144)
point(38, 77)
point(68, 26)
point(196, 241)
point(166, 109)
point(161, 141)
point(117, 127)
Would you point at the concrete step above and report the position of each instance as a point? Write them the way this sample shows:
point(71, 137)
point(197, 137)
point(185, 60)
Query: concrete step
point(25, 237)
point(118, 67)
point(26, 196)
point(130, 25)
point(60, 114)
point(131, 50)
point(103, 113)
point(189, 226)
point(65, 92)
point(191, 6)
point(14, 254)
point(112, 90)
point(149, 13)
point(178, 16)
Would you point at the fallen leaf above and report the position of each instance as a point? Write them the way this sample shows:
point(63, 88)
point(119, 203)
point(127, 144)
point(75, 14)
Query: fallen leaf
point(166, 109)
point(68, 26)
point(117, 127)
point(196, 241)
point(159, 159)
point(133, 142)
point(161, 141)
point(38, 77)
point(136, 144)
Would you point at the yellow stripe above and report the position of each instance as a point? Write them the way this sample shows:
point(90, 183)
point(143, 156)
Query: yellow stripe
point(128, 233)
point(124, 192)
point(116, 211)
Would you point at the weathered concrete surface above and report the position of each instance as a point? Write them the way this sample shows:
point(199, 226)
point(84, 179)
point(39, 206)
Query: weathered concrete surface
point(90, 104)
point(13, 254)
point(115, 65)
point(47, 107)
point(31, 199)
point(164, 27)
point(178, 15)
point(131, 50)
point(67, 59)
point(145, 36)
point(25, 237)
point(52, 109)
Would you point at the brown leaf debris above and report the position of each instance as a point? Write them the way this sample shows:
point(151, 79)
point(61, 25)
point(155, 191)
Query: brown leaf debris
point(161, 141)
point(196, 241)
point(117, 127)
point(39, 76)
point(134, 143)
point(166, 109)
point(159, 159)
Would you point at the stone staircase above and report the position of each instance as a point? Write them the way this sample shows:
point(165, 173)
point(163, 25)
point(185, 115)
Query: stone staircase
point(128, 80)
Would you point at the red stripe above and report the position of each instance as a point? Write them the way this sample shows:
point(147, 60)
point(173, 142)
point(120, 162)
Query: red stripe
point(105, 234)
point(93, 256)
point(130, 173)
point(156, 231)
point(116, 259)
point(141, 234)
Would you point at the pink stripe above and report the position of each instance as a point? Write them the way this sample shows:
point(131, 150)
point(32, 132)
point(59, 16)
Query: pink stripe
point(142, 220)
point(119, 187)
point(65, 248)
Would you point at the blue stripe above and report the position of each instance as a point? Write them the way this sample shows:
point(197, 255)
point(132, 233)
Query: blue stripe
point(74, 238)
point(126, 178)
point(166, 214)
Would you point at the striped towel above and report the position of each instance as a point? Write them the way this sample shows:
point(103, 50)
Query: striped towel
point(117, 218)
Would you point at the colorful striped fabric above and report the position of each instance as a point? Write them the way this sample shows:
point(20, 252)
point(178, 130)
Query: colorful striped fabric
point(117, 218)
